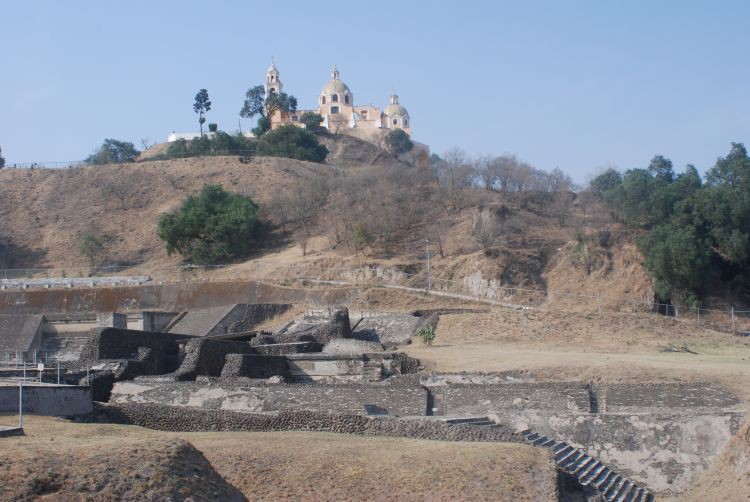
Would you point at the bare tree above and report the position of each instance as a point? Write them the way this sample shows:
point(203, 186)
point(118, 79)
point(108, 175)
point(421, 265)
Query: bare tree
point(486, 229)
point(120, 190)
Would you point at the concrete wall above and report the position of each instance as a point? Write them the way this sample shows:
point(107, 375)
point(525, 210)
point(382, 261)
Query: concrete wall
point(156, 321)
point(174, 296)
point(47, 400)
point(401, 401)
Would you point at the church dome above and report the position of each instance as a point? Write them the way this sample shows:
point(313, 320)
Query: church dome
point(335, 86)
point(394, 109)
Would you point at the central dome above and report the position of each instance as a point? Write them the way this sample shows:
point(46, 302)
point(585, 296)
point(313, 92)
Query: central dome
point(335, 86)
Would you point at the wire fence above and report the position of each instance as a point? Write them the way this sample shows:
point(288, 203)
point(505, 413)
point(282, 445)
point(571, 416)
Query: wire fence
point(472, 288)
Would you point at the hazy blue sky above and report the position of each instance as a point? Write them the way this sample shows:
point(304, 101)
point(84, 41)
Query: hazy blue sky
point(576, 84)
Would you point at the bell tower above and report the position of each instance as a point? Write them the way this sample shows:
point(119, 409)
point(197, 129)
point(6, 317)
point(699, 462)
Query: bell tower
point(273, 80)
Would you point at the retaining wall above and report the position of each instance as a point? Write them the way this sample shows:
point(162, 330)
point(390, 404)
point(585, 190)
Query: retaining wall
point(343, 398)
point(47, 400)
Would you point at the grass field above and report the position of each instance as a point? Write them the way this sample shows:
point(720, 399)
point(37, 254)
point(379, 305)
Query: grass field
point(59, 460)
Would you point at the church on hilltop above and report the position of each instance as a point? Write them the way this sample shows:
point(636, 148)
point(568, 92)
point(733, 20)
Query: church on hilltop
point(336, 106)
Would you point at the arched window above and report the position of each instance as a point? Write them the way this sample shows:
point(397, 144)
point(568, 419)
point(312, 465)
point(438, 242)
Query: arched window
point(323, 99)
point(346, 99)
point(395, 121)
point(334, 110)
point(406, 123)
point(335, 98)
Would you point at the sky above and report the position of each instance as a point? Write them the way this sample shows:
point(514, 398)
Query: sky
point(579, 85)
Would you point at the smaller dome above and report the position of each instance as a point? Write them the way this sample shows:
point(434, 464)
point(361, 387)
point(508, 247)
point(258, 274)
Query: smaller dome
point(394, 109)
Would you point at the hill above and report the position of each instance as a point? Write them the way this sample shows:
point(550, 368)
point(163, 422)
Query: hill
point(43, 213)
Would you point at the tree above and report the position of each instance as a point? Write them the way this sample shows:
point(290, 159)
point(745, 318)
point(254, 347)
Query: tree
point(214, 226)
point(661, 168)
point(311, 121)
point(486, 229)
point(113, 151)
point(201, 106)
point(398, 142)
point(91, 245)
point(292, 142)
point(2, 159)
point(257, 103)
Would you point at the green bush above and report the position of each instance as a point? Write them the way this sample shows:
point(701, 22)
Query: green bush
point(398, 142)
point(427, 334)
point(220, 143)
point(292, 142)
point(113, 151)
point(215, 226)
point(311, 121)
point(213, 127)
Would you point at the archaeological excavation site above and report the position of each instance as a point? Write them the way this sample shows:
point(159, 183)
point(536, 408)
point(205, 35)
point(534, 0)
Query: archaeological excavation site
point(177, 358)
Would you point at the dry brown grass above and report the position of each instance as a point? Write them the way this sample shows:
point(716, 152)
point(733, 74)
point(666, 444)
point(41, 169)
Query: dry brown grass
point(571, 345)
point(268, 466)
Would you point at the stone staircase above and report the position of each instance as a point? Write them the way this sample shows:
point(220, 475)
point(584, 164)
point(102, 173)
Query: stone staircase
point(589, 471)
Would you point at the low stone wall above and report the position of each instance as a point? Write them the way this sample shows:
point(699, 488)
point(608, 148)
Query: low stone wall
point(553, 397)
point(280, 349)
point(48, 400)
point(168, 418)
point(342, 398)
point(676, 398)
point(116, 343)
point(254, 366)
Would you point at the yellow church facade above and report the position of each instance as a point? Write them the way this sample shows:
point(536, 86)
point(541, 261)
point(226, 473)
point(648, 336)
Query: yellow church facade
point(340, 114)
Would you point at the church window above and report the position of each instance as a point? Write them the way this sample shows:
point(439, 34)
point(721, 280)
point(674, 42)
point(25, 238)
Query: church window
point(363, 113)
point(295, 118)
point(406, 123)
point(323, 99)
point(334, 109)
point(346, 99)
point(335, 98)
point(395, 121)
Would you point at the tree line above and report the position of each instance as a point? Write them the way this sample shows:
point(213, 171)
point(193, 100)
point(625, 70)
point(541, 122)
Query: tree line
point(698, 228)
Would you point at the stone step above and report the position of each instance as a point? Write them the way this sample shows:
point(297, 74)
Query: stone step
point(468, 421)
point(623, 491)
point(610, 485)
point(583, 474)
point(559, 454)
point(614, 490)
point(573, 460)
point(565, 458)
point(560, 446)
point(538, 441)
point(549, 443)
point(582, 465)
point(602, 479)
point(593, 473)
point(531, 437)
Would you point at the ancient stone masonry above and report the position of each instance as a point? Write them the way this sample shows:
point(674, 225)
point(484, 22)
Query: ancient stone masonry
point(203, 356)
point(169, 418)
point(320, 326)
point(341, 398)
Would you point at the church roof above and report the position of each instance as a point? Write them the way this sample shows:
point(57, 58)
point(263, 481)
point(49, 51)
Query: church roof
point(335, 85)
point(394, 109)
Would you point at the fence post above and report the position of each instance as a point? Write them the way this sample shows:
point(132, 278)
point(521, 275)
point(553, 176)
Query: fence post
point(699, 315)
point(734, 326)
point(58, 372)
point(88, 378)
point(599, 302)
point(20, 405)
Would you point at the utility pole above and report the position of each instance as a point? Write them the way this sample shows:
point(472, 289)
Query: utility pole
point(429, 277)
point(20, 405)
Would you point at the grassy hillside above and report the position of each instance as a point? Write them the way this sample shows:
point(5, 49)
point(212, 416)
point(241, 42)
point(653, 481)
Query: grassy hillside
point(44, 212)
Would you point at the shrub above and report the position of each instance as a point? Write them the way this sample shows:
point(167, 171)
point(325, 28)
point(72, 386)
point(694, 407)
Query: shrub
point(311, 121)
point(213, 227)
point(292, 142)
point(398, 142)
point(113, 151)
point(427, 334)
point(213, 127)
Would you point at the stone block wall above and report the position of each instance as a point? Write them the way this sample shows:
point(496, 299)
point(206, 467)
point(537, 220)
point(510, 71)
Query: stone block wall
point(203, 356)
point(47, 400)
point(114, 343)
point(342, 398)
point(254, 366)
point(477, 399)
